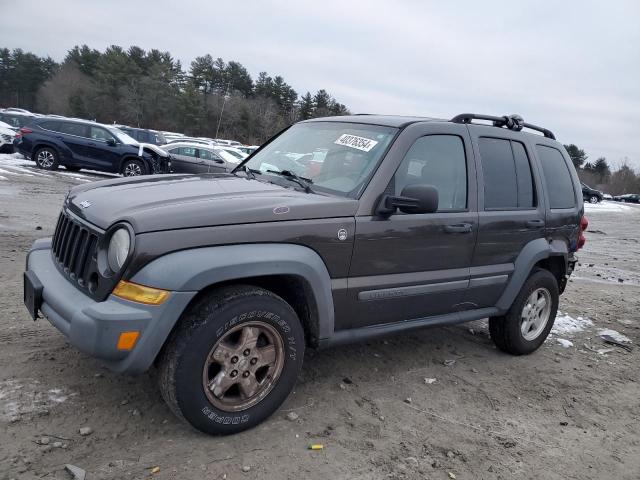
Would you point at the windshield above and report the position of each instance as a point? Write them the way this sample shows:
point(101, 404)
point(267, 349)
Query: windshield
point(227, 156)
point(238, 155)
point(123, 137)
point(337, 157)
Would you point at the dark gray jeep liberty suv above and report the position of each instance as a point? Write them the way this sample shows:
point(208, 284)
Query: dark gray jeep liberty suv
point(336, 230)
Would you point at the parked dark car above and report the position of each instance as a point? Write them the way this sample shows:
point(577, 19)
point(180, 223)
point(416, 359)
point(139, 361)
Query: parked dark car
point(16, 119)
point(144, 136)
point(76, 144)
point(628, 198)
point(591, 195)
point(223, 280)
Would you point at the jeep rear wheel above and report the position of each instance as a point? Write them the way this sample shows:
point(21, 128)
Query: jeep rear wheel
point(46, 158)
point(528, 322)
point(233, 359)
point(593, 199)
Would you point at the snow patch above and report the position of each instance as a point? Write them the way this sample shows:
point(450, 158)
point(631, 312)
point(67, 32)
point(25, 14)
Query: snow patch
point(567, 325)
point(606, 207)
point(564, 342)
point(27, 397)
point(617, 336)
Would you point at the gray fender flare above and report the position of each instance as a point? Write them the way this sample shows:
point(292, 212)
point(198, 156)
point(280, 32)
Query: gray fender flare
point(532, 253)
point(195, 269)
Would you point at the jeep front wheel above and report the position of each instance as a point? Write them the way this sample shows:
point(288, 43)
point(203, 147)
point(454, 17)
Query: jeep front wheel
point(233, 360)
point(528, 322)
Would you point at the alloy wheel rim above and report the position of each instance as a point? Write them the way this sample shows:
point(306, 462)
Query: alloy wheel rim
point(132, 170)
point(593, 200)
point(535, 314)
point(45, 159)
point(243, 366)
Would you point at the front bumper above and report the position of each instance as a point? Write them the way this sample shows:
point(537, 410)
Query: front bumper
point(94, 327)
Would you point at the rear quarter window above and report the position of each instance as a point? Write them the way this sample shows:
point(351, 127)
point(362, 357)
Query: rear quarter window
point(54, 126)
point(557, 177)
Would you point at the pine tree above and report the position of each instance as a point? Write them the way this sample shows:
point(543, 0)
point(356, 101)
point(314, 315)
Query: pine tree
point(306, 107)
point(578, 157)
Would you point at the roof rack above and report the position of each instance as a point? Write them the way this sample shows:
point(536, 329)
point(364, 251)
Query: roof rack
point(512, 122)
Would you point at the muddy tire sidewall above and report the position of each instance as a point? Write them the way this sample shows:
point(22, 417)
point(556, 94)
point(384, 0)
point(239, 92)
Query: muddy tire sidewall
point(190, 396)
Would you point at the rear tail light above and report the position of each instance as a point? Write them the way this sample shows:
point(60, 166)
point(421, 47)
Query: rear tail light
point(584, 223)
point(23, 131)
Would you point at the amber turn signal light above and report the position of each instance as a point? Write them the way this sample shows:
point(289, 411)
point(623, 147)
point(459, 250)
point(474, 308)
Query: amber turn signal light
point(127, 340)
point(140, 293)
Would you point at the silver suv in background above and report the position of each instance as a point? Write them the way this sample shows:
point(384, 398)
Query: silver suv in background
point(188, 157)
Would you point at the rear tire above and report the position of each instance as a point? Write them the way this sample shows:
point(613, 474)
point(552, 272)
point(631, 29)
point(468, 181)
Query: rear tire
point(528, 322)
point(133, 168)
point(233, 359)
point(46, 158)
point(593, 199)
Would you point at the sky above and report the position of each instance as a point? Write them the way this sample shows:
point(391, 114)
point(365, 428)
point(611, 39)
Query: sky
point(571, 66)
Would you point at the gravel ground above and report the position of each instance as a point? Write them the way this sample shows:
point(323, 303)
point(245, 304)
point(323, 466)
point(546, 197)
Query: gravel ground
point(569, 411)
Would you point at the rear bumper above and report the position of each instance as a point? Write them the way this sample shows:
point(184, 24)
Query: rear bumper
point(94, 327)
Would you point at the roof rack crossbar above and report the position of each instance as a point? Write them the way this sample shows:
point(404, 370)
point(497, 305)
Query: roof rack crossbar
point(512, 122)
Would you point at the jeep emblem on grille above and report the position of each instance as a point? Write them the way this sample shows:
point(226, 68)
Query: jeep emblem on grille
point(85, 204)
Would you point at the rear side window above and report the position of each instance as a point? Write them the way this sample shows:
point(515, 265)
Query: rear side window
point(508, 183)
point(188, 151)
point(77, 129)
point(557, 178)
point(436, 160)
point(54, 126)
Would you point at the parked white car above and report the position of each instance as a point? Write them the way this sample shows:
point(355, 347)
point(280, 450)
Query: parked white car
point(7, 135)
point(239, 154)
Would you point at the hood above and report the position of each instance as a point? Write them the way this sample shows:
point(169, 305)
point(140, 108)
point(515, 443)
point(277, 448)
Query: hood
point(166, 202)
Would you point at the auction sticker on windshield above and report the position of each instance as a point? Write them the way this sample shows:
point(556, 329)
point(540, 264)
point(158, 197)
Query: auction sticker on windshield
point(359, 143)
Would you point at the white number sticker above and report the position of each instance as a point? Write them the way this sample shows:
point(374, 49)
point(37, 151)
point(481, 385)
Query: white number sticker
point(359, 143)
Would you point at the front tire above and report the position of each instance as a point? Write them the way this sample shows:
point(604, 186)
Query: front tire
point(133, 168)
point(46, 158)
point(233, 360)
point(528, 322)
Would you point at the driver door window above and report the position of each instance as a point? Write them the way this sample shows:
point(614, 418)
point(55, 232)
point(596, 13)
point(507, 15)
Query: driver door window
point(437, 160)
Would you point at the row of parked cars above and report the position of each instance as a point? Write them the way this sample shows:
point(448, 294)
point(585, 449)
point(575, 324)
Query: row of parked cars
point(53, 141)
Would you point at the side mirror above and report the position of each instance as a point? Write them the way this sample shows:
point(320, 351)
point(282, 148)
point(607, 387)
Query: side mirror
point(111, 142)
point(413, 199)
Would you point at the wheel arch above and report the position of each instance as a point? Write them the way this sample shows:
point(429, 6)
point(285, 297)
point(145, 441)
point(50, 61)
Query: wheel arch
point(538, 253)
point(295, 273)
point(42, 144)
point(128, 156)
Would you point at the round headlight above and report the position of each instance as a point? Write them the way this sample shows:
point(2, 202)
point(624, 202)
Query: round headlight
point(118, 249)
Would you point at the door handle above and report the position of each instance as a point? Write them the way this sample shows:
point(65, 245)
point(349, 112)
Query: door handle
point(458, 228)
point(535, 224)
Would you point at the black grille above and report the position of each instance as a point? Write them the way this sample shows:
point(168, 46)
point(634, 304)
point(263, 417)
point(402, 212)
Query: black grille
point(74, 248)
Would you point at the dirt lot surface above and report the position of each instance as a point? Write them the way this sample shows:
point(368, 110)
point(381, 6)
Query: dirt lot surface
point(565, 412)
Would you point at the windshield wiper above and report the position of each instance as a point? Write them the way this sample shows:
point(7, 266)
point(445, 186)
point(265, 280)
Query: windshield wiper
point(289, 175)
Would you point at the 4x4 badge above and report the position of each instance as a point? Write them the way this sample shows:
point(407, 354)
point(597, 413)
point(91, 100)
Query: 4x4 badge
point(85, 204)
point(342, 234)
